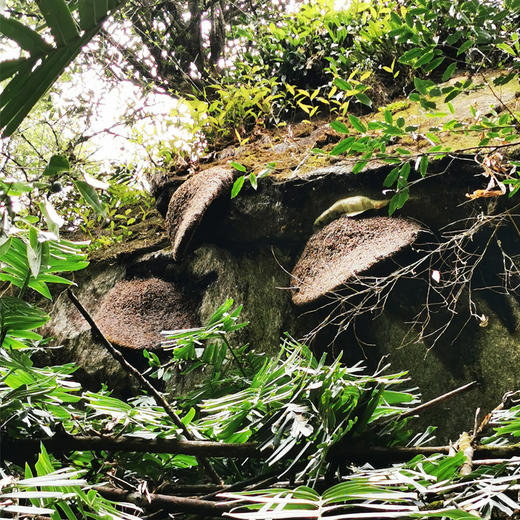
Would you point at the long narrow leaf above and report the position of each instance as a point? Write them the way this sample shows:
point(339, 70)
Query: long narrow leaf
point(59, 20)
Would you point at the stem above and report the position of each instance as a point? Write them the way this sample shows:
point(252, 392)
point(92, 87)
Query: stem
point(237, 361)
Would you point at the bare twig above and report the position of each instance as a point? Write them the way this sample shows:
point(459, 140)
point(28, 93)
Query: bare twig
point(437, 400)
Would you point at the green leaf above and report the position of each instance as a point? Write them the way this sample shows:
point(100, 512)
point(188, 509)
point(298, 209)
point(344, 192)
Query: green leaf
point(10, 67)
point(423, 165)
point(267, 170)
point(505, 47)
point(391, 177)
point(448, 73)
point(238, 166)
point(398, 201)
point(59, 20)
point(363, 98)
point(91, 197)
point(421, 85)
point(424, 59)
point(404, 172)
point(91, 12)
point(342, 84)
point(359, 166)
point(388, 117)
point(29, 85)
point(35, 85)
point(339, 127)
point(409, 56)
point(464, 47)
point(16, 314)
point(5, 244)
point(25, 37)
point(237, 186)
point(356, 123)
point(452, 95)
point(57, 164)
point(34, 252)
point(253, 181)
point(342, 146)
point(54, 221)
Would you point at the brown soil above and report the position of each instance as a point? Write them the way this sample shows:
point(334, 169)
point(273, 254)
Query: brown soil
point(190, 202)
point(134, 312)
point(345, 248)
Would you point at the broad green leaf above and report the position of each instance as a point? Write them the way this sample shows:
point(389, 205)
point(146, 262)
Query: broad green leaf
point(424, 59)
point(356, 123)
point(363, 98)
point(5, 244)
point(397, 201)
point(35, 85)
point(448, 73)
point(342, 84)
point(90, 195)
point(391, 177)
point(342, 146)
point(505, 47)
point(409, 56)
point(464, 47)
point(253, 181)
point(34, 252)
point(11, 67)
point(28, 85)
point(59, 20)
point(423, 165)
point(238, 166)
point(339, 126)
point(237, 186)
point(358, 167)
point(91, 12)
point(16, 314)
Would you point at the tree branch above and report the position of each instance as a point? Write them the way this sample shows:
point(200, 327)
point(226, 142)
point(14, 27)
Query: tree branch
point(18, 448)
point(170, 504)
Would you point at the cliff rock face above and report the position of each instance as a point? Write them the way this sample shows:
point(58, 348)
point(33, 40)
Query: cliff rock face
point(444, 307)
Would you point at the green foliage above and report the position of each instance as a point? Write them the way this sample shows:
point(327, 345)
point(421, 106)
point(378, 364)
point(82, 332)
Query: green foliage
point(34, 74)
point(298, 405)
point(56, 492)
point(253, 178)
point(125, 207)
point(300, 410)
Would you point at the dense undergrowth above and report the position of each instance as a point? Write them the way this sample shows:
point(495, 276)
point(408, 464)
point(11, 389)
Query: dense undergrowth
point(302, 421)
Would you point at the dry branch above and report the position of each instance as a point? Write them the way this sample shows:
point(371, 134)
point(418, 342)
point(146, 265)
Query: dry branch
point(14, 448)
point(170, 504)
